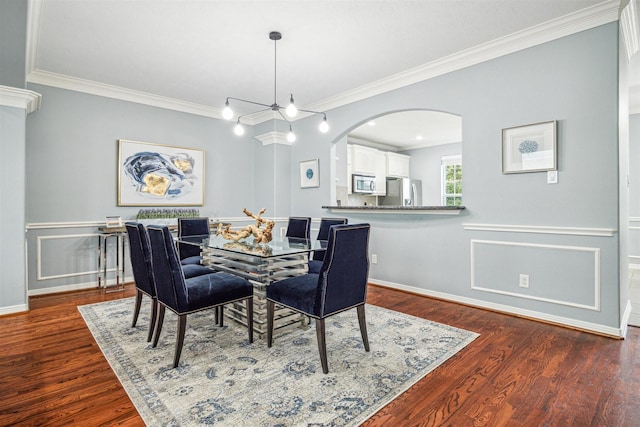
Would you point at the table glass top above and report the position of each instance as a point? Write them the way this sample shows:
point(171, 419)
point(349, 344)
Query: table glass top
point(275, 248)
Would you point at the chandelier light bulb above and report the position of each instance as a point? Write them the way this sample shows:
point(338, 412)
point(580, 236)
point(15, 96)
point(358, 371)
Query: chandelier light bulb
point(324, 125)
point(279, 112)
point(227, 112)
point(238, 129)
point(292, 111)
point(291, 137)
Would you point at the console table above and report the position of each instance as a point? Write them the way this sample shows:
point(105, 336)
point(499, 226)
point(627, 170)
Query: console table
point(104, 234)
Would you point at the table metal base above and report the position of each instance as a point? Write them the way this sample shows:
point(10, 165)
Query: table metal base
point(260, 272)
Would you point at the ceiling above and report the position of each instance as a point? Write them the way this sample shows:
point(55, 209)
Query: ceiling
point(190, 55)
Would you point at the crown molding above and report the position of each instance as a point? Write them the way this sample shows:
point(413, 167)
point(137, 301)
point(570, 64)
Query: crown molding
point(273, 138)
point(20, 98)
point(108, 91)
point(585, 19)
point(594, 16)
point(630, 29)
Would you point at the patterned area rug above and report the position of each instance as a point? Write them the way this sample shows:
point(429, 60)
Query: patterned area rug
point(223, 380)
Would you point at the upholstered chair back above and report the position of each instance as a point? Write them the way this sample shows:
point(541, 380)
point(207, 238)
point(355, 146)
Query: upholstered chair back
point(342, 282)
point(323, 233)
point(299, 227)
point(167, 271)
point(140, 255)
point(191, 227)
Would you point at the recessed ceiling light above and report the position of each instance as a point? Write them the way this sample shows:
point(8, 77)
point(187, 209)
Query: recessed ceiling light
point(419, 137)
point(371, 123)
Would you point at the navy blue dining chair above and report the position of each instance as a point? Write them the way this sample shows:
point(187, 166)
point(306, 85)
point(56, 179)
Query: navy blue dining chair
point(340, 285)
point(315, 263)
point(140, 255)
point(190, 254)
point(185, 296)
point(299, 227)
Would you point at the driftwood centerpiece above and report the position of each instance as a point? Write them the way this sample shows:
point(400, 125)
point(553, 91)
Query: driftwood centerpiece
point(261, 235)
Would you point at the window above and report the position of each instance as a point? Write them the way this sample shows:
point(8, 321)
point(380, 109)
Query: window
point(451, 167)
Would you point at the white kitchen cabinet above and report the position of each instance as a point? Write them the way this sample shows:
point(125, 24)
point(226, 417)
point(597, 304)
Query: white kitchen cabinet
point(363, 160)
point(381, 173)
point(397, 165)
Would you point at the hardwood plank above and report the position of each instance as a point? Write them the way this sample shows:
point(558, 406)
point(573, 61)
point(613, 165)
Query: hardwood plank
point(517, 373)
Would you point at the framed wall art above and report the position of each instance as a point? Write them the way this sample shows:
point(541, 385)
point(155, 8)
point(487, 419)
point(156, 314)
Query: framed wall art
point(530, 148)
point(309, 176)
point(159, 175)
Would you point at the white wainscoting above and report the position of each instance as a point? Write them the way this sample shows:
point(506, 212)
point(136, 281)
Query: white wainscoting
point(542, 251)
point(574, 231)
point(634, 243)
point(41, 268)
point(41, 242)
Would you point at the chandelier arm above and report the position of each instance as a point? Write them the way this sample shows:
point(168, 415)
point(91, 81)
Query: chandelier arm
point(283, 116)
point(255, 112)
point(314, 112)
point(249, 102)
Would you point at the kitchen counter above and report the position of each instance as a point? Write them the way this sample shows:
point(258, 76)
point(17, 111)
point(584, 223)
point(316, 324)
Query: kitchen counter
point(422, 210)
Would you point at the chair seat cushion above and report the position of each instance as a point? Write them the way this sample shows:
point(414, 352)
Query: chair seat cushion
point(315, 266)
point(193, 270)
point(191, 260)
point(296, 292)
point(215, 288)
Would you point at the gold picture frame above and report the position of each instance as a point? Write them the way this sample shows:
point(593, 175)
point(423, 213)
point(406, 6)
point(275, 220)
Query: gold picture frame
point(159, 175)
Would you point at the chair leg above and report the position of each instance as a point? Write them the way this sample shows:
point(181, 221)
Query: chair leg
point(158, 324)
point(249, 302)
point(182, 326)
point(322, 345)
point(217, 315)
point(154, 316)
point(363, 327)
point(136, 309)
point(221, 318)
point(270, 312)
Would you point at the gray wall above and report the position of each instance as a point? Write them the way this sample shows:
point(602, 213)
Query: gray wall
point(572, 80)
point(13, 284)
point(12, 209)
point(13, 42)
point(71, 175)
point(634, 189)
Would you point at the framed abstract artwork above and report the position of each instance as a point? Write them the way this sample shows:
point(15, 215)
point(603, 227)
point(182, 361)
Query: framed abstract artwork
point(530, 148)
point(159, 175)
point(309, 176)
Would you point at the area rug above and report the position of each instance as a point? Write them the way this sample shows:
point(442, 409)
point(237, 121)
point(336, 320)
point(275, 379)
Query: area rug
point(223, 380)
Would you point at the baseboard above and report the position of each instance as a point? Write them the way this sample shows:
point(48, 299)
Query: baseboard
point(14, 309)
point(528, 314)
point(74, 287)
point(624, 324)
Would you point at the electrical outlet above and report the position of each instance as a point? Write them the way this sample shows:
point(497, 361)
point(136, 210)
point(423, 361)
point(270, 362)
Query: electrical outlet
point(552, 177)
point(524, 281)
point(374, 259)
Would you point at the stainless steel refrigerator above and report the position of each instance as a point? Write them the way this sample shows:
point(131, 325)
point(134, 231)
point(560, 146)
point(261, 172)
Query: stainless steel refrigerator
point(402, 192)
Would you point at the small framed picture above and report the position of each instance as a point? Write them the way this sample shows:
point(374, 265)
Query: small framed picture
point(309, 175)
point(530, 148)
point(113, 222)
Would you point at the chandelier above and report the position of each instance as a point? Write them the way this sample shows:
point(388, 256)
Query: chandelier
point(291, 110)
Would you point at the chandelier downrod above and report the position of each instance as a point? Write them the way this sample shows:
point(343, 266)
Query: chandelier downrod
point(291, 109)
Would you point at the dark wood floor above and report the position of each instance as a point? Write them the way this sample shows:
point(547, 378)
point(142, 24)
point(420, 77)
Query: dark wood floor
point(517, 373)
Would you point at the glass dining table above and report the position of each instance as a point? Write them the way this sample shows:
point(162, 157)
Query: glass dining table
point(261, 264)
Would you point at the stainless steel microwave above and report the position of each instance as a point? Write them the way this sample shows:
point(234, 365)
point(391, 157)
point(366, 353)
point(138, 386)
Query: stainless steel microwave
point(364, 184)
